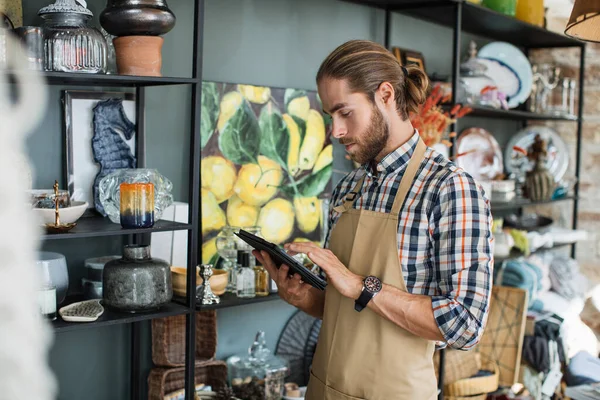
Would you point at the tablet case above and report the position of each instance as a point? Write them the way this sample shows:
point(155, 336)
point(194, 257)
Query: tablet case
point(279, 257)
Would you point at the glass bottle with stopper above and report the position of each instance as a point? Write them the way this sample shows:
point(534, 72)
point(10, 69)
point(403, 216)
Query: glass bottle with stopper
point(245, 276)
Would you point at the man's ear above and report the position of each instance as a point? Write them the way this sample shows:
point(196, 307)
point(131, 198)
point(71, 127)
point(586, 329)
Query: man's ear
point(386, 95)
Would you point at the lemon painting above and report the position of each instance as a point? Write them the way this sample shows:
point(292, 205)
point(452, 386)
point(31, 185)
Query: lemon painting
point(267, 162)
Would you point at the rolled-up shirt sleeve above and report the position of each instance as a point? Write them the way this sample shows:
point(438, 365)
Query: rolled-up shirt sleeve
point(461, 254)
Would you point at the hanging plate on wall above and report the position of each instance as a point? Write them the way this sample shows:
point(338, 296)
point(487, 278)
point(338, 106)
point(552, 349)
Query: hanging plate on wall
point(297, 344)
point(557, 160)
point(479, 154)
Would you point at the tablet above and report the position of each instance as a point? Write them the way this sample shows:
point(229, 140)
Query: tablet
point(279, 256)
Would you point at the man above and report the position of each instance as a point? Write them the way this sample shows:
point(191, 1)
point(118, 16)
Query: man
point(409, 260)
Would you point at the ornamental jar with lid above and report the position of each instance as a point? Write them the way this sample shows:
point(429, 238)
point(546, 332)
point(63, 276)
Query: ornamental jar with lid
point(70, 44)
point(475, 87)
point(259, 370)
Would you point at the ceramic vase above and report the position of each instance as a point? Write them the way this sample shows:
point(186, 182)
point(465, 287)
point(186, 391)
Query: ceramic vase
point(539, 183)
point(136, 282)
point(137, 25)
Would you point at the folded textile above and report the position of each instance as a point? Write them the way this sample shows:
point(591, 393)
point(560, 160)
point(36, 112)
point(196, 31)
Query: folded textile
point(535, 352)
point(565, 277)
point(583, 368)
point(521, 274)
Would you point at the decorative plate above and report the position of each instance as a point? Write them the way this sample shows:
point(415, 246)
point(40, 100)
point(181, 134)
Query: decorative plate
point(506, 79)
point(479, 154)
point(514, 59)
point(557, 161)
point(83, 311)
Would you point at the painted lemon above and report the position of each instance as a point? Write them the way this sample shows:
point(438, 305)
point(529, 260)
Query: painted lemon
point(255, 94)
point(241, 214)
point(313, 140)
point(324, 159)
point(299, 107)
point(218, 176)
point(276, 221)
point(258, 183)
point(308, 212)
point(213, 217)
point(229, 105)
point(305, 240)
point(293, 145)
point(209, 250)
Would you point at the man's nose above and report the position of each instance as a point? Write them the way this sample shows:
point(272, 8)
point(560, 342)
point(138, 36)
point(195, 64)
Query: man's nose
point(338, 130)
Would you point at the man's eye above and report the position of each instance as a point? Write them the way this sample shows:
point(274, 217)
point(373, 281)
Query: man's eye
point(346, 114)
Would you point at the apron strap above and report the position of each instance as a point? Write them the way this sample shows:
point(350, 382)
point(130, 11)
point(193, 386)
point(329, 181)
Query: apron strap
point(350, 197)
point(409, 176)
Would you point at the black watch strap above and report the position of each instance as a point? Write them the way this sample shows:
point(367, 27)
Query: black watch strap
point(363, 300)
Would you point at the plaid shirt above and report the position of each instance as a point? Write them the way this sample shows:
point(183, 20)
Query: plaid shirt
point(446, 252)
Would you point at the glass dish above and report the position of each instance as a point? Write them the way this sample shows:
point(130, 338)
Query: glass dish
point(110, 192)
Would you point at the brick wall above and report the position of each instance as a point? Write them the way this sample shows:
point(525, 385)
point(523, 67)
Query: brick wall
point(588, 253)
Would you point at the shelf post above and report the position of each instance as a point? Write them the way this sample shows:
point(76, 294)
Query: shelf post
point(578, 146)
point(194, 237)
point(456, 45)
point(387, 28)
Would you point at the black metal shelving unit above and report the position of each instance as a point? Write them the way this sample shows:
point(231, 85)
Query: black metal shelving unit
point(462, 16)
point(459, 15)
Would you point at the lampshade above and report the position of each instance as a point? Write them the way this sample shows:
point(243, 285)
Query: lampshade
point(584, 23)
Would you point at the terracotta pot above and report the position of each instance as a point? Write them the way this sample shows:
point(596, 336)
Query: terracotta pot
point(139, 55)
point(137, 17)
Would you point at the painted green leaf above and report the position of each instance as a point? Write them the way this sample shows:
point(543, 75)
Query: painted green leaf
point(291, 94)
point(301, 127)
point(274, 140)
point(209, 112)
point(311, 185)
point(239, 140)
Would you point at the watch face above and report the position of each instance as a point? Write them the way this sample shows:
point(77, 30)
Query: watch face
point(372, 284)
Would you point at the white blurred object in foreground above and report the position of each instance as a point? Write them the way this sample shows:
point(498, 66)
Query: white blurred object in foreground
point(25, 338)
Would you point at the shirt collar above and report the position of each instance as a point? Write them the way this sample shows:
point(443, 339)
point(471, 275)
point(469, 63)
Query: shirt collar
point(397, 159)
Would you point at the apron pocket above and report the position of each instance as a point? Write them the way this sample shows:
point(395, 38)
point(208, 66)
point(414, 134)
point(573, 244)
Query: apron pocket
point(318, 390)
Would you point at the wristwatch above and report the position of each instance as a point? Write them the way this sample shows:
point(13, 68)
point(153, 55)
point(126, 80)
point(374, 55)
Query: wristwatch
point(371, 286)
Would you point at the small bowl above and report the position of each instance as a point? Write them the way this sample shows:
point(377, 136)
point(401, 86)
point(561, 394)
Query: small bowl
point(67, 215)
point(218, 281)
point(38, 197)
point(529, 222)
point(302, 390)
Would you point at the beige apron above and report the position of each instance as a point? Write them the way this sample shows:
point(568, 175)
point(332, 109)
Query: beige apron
point(361, 355)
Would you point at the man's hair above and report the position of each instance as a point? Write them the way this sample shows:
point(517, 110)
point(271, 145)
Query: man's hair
point(365, 65)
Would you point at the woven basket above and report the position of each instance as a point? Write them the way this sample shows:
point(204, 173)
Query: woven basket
point(474, 386)
point(458, 365)
point(476, 397)
point(163, 381)
point(168, 339)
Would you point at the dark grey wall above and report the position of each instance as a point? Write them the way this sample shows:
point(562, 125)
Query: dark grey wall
point(262, 42)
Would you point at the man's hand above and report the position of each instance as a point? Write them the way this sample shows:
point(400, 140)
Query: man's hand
point(346, 282)
point(292, 289)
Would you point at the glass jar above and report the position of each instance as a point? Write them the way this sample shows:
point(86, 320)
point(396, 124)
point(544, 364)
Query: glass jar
point(70, 44)
point(258, 371)
point(475, 87)
point(261, 280)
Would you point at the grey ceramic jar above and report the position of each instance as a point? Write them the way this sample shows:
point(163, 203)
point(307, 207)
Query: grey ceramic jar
point(136, 282)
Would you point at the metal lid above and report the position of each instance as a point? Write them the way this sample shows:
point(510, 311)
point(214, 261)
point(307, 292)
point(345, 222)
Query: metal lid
point(66, 6)
point(472, 66)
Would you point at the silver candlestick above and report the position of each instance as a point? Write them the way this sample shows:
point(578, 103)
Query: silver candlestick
point(204, 292)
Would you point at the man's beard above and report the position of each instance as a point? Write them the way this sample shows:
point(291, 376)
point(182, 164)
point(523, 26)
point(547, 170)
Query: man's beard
point(372, 142)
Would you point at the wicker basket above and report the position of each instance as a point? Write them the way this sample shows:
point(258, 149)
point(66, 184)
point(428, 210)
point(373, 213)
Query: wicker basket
point(476, 397)
point(458, 365)
point(474, 386)
point(168, 339)
point(163, 381)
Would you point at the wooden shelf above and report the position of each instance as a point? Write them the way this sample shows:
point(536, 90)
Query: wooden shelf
point(518, 203)
point(477, 20)
point(110, 317)
point(100, 226)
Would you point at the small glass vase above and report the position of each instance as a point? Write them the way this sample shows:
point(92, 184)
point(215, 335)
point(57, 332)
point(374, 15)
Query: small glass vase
point(137, 205)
